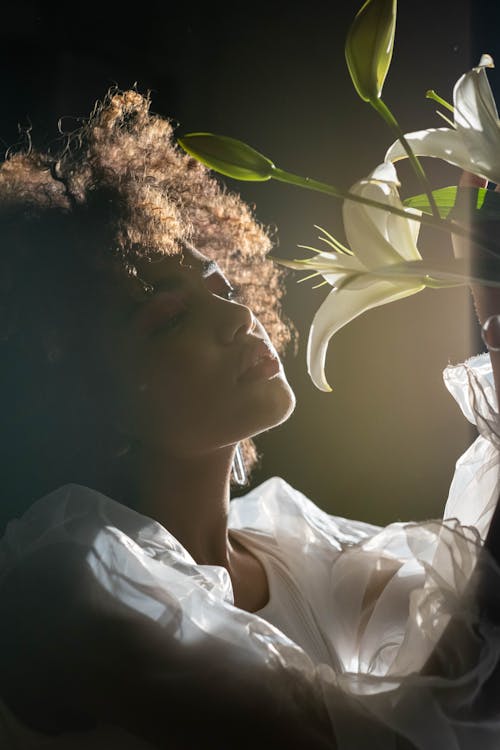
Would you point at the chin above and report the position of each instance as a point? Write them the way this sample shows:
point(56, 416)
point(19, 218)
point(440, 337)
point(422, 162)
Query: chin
point(271, 406)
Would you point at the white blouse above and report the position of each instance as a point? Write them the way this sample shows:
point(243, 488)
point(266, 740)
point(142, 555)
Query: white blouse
point(287, 608)
point(355, 608)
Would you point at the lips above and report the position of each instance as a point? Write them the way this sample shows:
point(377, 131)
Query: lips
point(259, 360)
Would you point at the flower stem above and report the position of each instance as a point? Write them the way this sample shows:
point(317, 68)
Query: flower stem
point(432, 221)
point(391, 121)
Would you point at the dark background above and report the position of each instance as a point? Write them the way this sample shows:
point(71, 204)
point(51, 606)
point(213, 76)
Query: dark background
point(382, 446)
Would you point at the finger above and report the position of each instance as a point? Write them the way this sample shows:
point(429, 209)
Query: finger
point(467, 179)
point(490, 333)
point(461, 248)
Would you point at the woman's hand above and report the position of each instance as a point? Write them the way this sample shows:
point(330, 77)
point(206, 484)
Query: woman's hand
point(487, 304)
point(486, 298)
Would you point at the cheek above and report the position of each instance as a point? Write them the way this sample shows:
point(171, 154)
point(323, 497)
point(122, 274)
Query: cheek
point(178, 396)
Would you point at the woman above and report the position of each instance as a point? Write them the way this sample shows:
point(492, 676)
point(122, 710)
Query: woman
point(138, 608)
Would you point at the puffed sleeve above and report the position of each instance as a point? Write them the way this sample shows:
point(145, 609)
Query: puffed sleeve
point(475, 487)
point(106, 621)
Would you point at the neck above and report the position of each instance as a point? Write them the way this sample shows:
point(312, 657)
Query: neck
point(190, 498)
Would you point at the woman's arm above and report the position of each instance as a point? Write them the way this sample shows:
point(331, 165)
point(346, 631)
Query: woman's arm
point(486, 299)
point(487, 304)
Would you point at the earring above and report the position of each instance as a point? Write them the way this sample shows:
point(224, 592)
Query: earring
point(238, 470)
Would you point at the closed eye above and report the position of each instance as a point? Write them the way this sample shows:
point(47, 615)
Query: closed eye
point(232, 292)
point(172, 322)
point(164, 311)
point(220, 286)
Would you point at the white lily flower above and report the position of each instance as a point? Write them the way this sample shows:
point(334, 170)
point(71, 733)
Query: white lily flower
point(474, 142)
point(377, 239)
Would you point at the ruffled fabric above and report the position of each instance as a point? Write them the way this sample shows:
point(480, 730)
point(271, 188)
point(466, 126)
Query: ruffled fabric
point(475, 487)
point(382, 600)
point(131, 562)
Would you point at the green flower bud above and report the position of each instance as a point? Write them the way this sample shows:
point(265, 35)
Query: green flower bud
point(369, 46)
point(228, 156)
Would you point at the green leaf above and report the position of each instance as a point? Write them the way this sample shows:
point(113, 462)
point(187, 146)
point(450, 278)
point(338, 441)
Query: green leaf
point(369, 46)
point(228, 156)
point(468, 204)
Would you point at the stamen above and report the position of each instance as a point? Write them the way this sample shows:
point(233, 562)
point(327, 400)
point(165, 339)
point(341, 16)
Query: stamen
point(446, 119)
point(317, 286)
point(338, 248)
point(309, 276)
point(431, 94)
point(333, 241)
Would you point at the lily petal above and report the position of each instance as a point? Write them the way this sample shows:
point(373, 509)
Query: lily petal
point(403, 233)
point(474, 143)
point(476, 118)
point(441, 143)
point(474, 103)
point(377, 237)
point(450, 145)
point(338, 309)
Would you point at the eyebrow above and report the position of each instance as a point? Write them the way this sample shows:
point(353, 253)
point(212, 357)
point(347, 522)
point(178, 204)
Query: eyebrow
point(174, 281)
point(208, 267)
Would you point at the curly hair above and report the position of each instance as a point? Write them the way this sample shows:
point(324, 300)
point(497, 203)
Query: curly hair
point(118, 190)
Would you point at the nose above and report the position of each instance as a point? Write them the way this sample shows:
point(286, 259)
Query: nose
point(236, 320)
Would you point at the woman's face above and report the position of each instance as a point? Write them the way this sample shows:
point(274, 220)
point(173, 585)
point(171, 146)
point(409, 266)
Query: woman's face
point(193, 370)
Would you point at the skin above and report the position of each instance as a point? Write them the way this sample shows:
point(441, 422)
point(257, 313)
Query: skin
point(486, 299)
point(174, 359)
